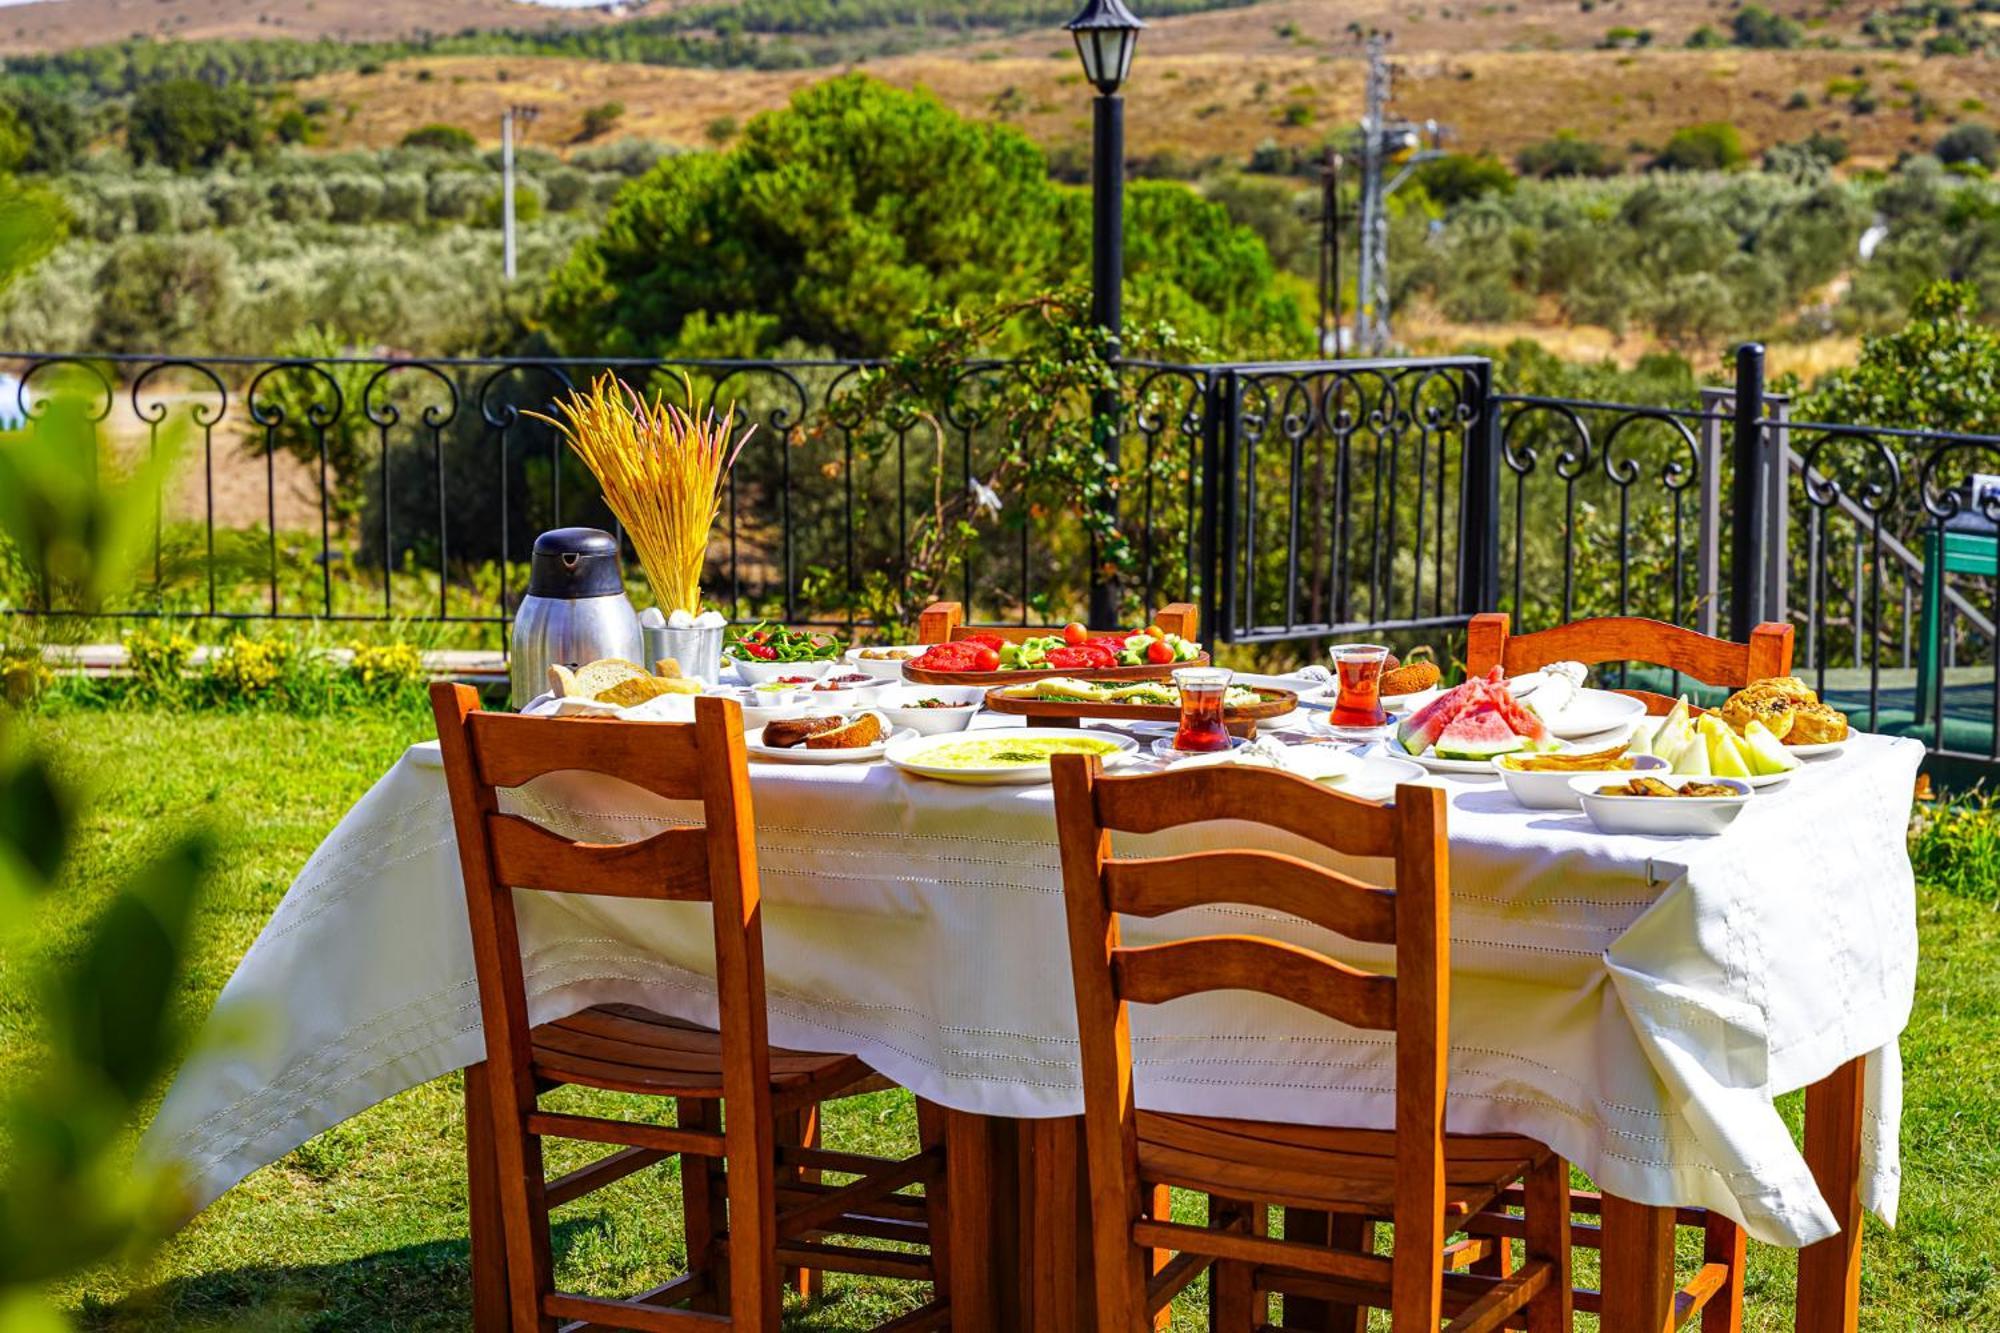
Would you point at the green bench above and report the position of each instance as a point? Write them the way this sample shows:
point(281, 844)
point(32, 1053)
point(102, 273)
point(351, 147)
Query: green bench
point(1945, 553)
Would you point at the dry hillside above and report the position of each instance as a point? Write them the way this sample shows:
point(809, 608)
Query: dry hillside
point(1222, 104)
point(54, 25)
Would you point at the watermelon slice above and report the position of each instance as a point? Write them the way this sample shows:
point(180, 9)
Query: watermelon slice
point(1420, 730)
point(1480, 733)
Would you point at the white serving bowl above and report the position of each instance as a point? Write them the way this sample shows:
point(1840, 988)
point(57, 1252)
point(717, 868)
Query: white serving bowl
point(888, 668)
point(1661, 816)
point(1555, 791)
point(762, 706)
point(898, 706)
point(856, 694)
point(754, 671)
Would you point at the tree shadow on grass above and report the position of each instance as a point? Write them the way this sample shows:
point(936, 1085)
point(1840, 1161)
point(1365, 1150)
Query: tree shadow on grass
point(403, 1290)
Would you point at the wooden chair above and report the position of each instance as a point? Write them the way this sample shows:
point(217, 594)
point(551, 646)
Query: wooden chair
point(1426, 1181)
point(1709, 660)
point(1716, 1289)
point(943, 622)
point(736, 1172)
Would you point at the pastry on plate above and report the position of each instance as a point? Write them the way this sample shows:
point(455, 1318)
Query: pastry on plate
point(790, 731)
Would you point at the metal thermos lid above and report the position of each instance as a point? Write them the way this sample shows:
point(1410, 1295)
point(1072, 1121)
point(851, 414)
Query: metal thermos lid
point(571, 563)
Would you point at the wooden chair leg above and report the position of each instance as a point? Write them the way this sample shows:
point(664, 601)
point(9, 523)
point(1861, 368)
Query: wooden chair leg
point(704, 1208)
point(800, 1129)
point(1722, 1243)
point(1230, 1299)
point(482, 1200)
point(1547, 1224)
point(1161, 1208)
point(932, 1133)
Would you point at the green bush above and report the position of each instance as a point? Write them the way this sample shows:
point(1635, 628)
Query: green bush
point(601, 119)
point(1756, 26)
point(352, 197)
point(1712, 146)
point(1457, 177)
point(249, 670)
point(158, 662)
point(185, 123)
point(164, 294)
point(443, 138)
point(1565, 155)
point(1955, 845)
point(1970, 142)
point(404, 198)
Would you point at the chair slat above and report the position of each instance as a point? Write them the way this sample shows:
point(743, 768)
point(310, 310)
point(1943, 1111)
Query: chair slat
point(1149, 803)
point(661, 757)
point(1710, 660)
point(1154, 886)
point(671, 865)
point(1160, 972)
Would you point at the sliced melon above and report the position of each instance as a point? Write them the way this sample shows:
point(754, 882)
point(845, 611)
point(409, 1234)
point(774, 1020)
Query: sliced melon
point(1766, 751)
point(1724, 761)
point(1691, 760)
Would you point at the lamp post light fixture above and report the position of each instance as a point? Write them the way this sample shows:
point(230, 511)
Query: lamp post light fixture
point(1106, 33)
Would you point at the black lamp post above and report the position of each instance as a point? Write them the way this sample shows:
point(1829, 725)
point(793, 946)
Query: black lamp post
point(1106, 32)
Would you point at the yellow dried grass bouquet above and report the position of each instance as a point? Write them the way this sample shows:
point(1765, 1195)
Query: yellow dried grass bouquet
point(662, 471)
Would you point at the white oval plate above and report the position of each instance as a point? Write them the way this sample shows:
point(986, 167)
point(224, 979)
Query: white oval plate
point(753, 741)
point(1824, 747)
point(1397, 704)
point(908, 754)
point(1164, 747)
point(1477, 768)
point(1756, 781)
point(1595, 711)
point(886, 668)
point(1379, 777)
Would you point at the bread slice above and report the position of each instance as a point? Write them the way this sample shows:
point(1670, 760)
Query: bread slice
point(864, 729)
point(562, 682)
point(670, 667)
point(638, 689)
point(594, 678)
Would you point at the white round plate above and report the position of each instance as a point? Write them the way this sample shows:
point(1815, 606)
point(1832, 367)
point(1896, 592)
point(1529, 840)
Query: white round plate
point(1595, 711)
point(909, 754)
point(1524, 685)
point(1824, 747)
point(1379, 777)
point(753, 741)
point(1164, 747)
point(1397, 704)
point(1477, 768)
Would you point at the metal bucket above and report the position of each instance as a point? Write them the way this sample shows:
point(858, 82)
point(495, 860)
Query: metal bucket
point(698, 650)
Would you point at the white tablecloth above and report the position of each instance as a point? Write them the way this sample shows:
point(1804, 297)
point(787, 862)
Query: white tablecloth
point(1636, 1003)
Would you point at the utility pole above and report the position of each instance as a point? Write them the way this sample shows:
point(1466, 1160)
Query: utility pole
point(1386, 145)
point(526, 115)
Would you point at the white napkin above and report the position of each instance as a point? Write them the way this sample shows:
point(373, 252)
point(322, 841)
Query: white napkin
point(662, 708)
point(1320, 763)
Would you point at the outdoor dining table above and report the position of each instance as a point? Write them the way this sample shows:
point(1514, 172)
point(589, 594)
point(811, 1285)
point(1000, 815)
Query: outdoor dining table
point(1636, 1003)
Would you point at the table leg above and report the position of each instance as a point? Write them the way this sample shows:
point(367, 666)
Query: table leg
point(1637, 1279)
point(981, 1224)
point(1055, 1254)
point(482, 1199)
point(1830, 1272)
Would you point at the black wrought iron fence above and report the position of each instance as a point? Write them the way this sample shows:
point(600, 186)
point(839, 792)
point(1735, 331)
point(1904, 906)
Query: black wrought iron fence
point(1292, 501)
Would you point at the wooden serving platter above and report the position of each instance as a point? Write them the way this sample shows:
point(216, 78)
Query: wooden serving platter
point(1148, 671)
point(1241, 720)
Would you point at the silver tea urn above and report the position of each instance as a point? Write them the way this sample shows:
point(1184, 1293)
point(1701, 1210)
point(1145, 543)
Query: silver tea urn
point(576, 610)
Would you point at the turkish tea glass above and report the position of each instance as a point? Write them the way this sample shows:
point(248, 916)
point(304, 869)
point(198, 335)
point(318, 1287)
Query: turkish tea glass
point(1357, 705)
point(1201, 727)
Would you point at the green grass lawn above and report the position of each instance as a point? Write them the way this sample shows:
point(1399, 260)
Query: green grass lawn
point(364, 1227)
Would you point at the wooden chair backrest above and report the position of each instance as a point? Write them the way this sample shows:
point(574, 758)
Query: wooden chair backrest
point(944, 622)
point(1412, 917)
point(716, 863)
point(1710, 660)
